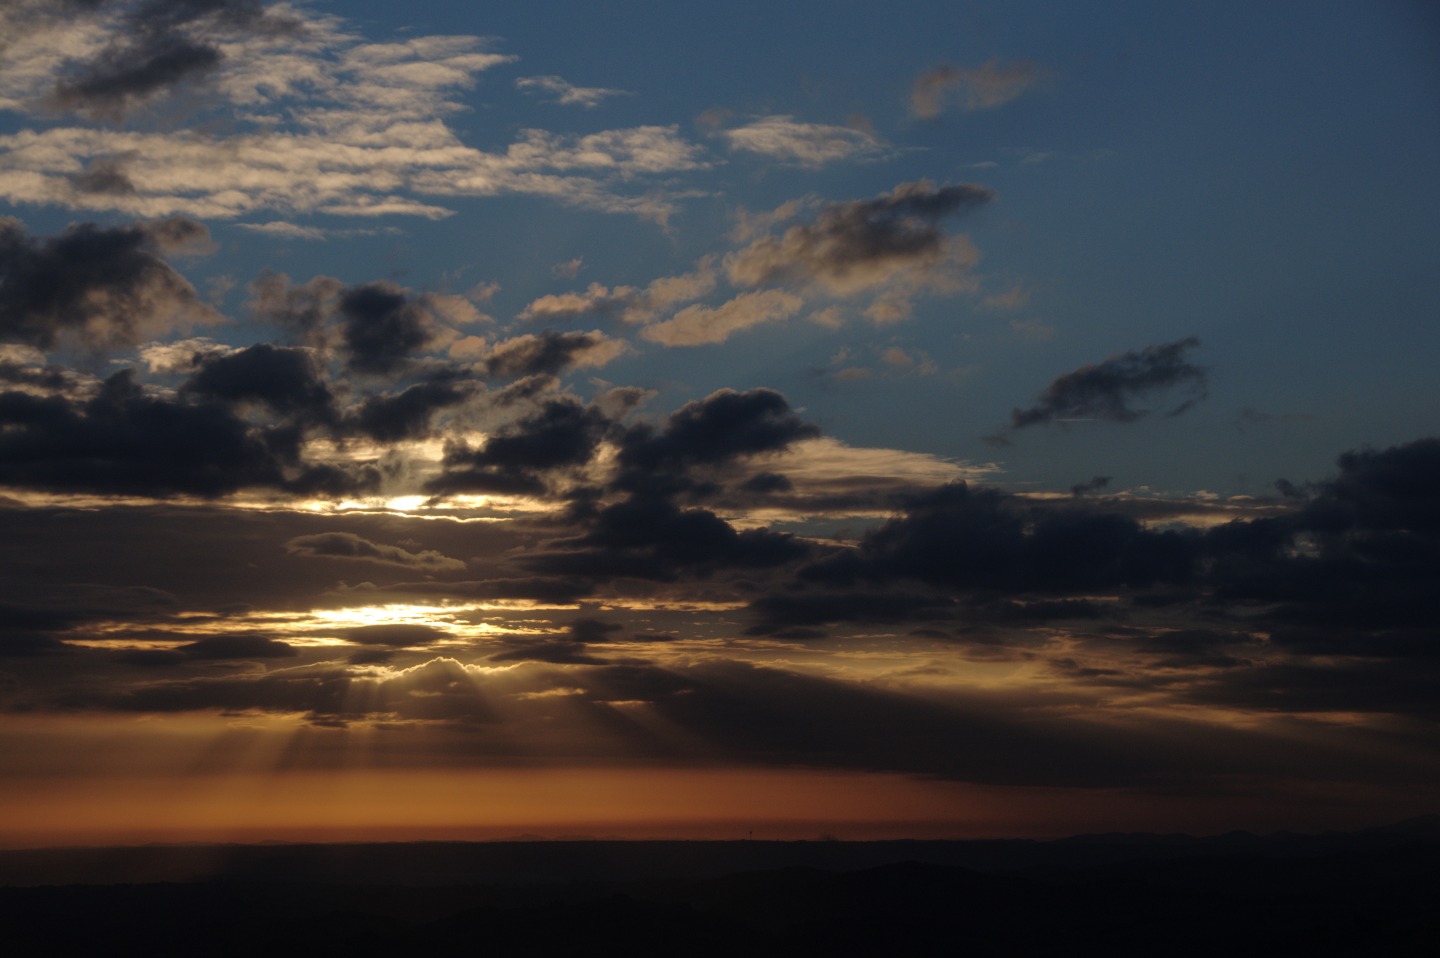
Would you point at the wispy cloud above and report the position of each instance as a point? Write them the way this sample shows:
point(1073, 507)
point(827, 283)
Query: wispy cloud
point(568, 94)
point(803, 144)
point(1106, 390)
point(985, 87)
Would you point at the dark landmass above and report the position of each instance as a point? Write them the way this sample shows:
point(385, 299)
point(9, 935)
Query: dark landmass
point(1363, 893)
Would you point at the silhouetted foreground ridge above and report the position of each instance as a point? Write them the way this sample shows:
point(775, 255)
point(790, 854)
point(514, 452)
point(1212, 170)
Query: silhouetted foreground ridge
point(1365, 893)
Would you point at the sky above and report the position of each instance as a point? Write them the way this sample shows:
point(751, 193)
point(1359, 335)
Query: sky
point(939, 420)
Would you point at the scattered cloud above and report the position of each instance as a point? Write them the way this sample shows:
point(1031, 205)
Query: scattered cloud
point(701, 325)
point(865, 244)
point(985, 87)
point(803, 144)
point(567, 94)
point(1106, 390)
point(317, 121)
point(98, 288)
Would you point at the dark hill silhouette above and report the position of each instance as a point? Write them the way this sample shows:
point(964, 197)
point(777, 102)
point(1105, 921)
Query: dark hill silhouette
point(1362, 893)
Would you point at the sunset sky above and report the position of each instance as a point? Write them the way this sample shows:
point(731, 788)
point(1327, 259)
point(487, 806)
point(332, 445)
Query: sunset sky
point(932, 419)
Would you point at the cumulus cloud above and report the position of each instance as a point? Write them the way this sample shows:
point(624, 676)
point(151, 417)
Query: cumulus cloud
point(125, 441)
point(984, 87)
point(382, 327)
point(1106, 390)
point(409, 413)
point(562, 434)
point(98, 287)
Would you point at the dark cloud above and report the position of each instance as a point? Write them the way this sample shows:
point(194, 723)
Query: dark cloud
point(408, 414)
point(593, 630)
point(288, 379)
point(650, 537)
point(438, 690)
point(1094, 485)
point(106, 175)
point(1360, 556)
point(303, 310)
point(162, 45)
point(1106, 390)
point(126, 441)
point(562, 434)
point(556, 652)
point(102, 287)
point(968, 539)
point(237, 647)
point(382, 327)
point(780, 615)
point(722, 427)
point(347, 545)
point(547, 353)
point(123, 75)
point(860, 243)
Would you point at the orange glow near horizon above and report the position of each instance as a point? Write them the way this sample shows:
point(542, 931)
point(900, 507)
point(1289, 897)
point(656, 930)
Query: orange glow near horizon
point(371, 805)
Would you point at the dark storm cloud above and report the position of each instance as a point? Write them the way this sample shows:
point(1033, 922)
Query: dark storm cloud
point(560, 435)
point(1361, 555)
point(382, 327)
point(964, 538)
point(102, 286)
point(1107, 389)
point(288, 379)
point(347, 545)
point(408, 414)
point(650, 537)
point(722, 427)
point(126, 441)
point(860, 243)
point(162, 45)
point(1388, 491)
point(545, 353)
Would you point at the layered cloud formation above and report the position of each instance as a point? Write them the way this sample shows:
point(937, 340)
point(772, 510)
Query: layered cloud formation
point(598, 499)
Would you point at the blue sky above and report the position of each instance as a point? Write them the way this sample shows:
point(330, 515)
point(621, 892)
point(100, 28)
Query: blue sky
point(694, 318)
